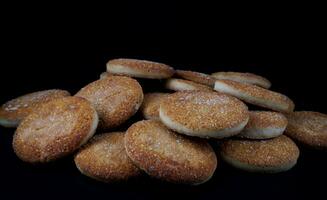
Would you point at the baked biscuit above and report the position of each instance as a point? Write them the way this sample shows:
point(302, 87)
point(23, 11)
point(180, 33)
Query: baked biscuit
point(104, 158)
point(196, 77)
point(116, 99)
point(14, 111)
point(185, 85)
point(55, 129)
point(264, 125)
point(309, 128)
point(204, 114)
point(243, 78)
point(139, 68)
point(256, 95)
point(269, 156)
point(169, 156)
point(151, 103)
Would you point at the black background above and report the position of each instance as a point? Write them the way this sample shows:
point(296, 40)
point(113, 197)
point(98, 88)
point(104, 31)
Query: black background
point(64, 46)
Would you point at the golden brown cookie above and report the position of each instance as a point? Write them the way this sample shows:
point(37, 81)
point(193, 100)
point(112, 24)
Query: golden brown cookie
point(168, 156)
point(55, 129)
point(256, 95)
point(104, 158)
point(264, 125)
point(116, 99)
point(196, 77)
point(185, 85)
point(151, 103)
point(204, 114)
point(139, 68)
point(243, 78)
point(14, 111)
point(309, 128)
point(269, 156)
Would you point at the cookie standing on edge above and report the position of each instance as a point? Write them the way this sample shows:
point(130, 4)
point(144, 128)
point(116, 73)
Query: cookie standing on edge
point(55, 129)
point(196, 77)
point(104, 158)
point(139, 68)
point(268, 156)
point(204, 114)
point(264, 125)
point(169, 156)
point(116, 99)
point(185, 85)
point(243, 78)
point(14, 111)
point(256, 95)
point(151, 104)
point(309, 128)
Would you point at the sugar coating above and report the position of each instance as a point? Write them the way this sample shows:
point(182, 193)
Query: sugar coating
point(309, 128)
point(151, 104)
point(185, 85)
point(104, 158)
point(196, 77)
point(116, 99)
point(169, 156)
point(55, 129)
point(17, 109)
point(272, 153)
point(199, 110)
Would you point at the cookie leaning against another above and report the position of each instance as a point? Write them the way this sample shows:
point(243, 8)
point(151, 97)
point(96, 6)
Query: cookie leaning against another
point(256, 95)
point(308, 128)
point(14, 111)
point(264, 125)
point(169, 156)
point(139, 68)
point(185, 85)
point(116, 99)
point(196, 77)
point(104, 158)
point(204, 114)
point(243, 78)
point(267, 156)
point(55, 129)
point(151, 104)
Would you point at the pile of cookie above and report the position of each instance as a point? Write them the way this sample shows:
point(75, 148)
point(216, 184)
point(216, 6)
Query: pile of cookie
point(173, 142)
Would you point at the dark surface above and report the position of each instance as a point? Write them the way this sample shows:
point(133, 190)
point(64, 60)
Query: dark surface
point(57, 49)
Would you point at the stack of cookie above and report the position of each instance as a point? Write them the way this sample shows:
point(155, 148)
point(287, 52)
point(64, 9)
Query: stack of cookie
point(173, 142)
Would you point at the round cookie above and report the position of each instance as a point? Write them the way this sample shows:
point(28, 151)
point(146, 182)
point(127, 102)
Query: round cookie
point(309, 128)
point(139, 68)
point(14, 111)
point(204, 114)
point(151, 103)
point(266, 156)
point(116, 99)
point(185, 85)
point(256, 95)
point(264, 125)
point(169, 156)
point(249, 78)
point(196, 77)
point(104, 158)
point(55, 129)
